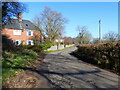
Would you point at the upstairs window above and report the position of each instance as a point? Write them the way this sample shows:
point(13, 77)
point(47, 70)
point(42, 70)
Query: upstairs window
point(27, 25)
point(29, 33)
point(17, 32)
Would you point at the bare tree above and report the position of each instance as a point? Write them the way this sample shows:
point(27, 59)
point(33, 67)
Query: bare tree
point(110, 37)
point(51, 23)
point(84, 35)
point(38, 37)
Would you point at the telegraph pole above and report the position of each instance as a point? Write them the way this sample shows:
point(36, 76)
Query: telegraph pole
point(99, 31)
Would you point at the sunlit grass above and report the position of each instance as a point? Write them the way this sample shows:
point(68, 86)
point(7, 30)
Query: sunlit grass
point(13, 60)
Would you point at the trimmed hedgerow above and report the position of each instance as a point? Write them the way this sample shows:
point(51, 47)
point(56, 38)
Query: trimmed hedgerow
point(105, 55)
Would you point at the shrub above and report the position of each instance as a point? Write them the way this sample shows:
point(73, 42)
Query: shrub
point(105, 55)
point(7, 44)
point(45, 46)
point(29, 52)
point(26, 46)
point(36, 48)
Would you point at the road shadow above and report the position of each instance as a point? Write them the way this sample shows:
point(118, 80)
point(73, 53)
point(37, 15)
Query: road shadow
point(45, 72)
point(97, 72)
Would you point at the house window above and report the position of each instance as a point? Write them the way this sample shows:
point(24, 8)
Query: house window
point(27, 25)
point(30, 42)
point(29, 33)
point(17, 32)
point(17, 42)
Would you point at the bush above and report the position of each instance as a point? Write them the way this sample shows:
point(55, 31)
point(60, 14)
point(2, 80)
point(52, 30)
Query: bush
point(7, 44)
point(36, 48)
point(105, 55)
point(45, 46)
point(29, 52)
point(26, 46)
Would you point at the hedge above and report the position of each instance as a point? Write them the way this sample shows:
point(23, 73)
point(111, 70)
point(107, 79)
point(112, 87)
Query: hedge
point(38, 48)
point(106, 55)
point(45, 46)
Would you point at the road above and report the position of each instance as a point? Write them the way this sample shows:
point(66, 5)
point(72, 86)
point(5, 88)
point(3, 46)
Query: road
point(62, 70)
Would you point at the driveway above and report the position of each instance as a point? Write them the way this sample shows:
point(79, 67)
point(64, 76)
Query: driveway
point(62, 70)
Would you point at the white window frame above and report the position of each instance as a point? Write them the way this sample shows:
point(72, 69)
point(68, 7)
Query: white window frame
point(27, 41)
point(19, 42)
point(28, 33)
point(17, 32)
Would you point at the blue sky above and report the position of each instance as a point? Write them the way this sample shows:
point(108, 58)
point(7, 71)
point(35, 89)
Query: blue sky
point(80, 13)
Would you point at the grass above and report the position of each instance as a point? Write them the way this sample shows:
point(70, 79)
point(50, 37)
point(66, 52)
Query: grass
point(57, 50)
point(13, 59)
point(18, 59)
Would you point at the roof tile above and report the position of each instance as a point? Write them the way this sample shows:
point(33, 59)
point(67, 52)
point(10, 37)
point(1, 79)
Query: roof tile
point(16, 24)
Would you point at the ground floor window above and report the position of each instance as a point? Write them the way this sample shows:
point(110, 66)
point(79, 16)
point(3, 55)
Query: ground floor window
point(17, 42)
point(29, 42)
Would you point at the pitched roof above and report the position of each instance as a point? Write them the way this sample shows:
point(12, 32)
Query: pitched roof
point(16, 24)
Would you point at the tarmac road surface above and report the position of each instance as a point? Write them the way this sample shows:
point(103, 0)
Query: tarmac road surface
point(62, 70)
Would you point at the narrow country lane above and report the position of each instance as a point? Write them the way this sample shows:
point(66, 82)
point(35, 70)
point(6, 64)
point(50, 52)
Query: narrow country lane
point(62, 70)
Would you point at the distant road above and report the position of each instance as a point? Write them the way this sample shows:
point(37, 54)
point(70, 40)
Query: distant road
point(55, 47)
point(62, 70)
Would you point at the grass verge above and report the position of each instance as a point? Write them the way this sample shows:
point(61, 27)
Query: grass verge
point(12, 61)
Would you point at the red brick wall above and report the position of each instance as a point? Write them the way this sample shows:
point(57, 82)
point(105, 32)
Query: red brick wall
point(23, 37)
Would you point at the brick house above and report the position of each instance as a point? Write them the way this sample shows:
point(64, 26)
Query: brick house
point(21, 31)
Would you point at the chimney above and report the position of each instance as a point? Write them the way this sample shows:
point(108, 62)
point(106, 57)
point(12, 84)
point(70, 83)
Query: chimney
point(20, 16)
